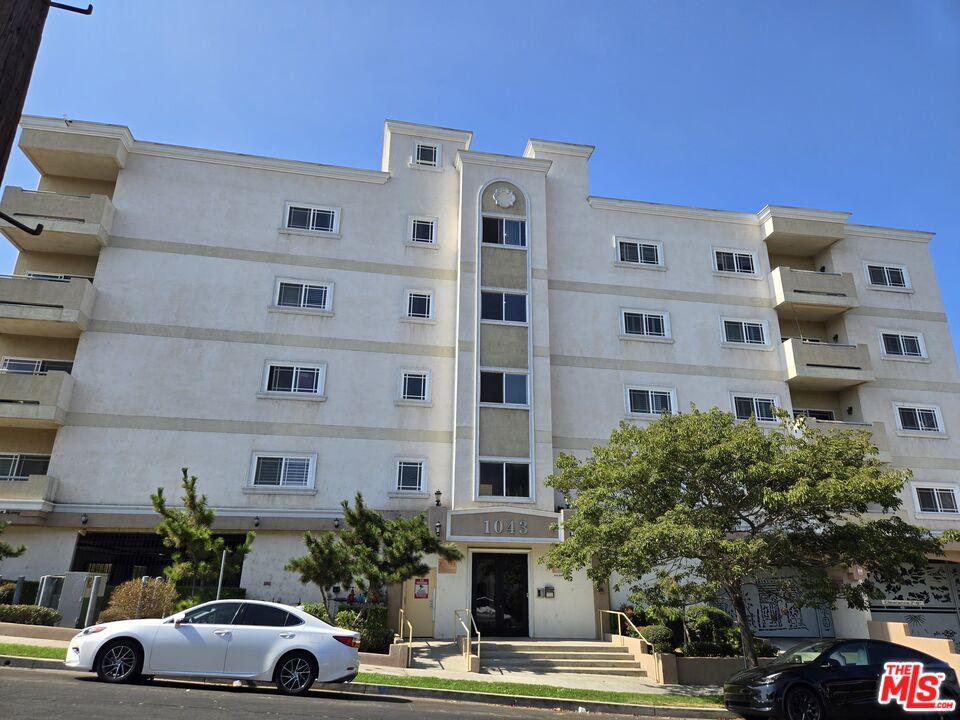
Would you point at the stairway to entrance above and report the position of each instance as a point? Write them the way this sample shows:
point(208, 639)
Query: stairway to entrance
point(580, 657)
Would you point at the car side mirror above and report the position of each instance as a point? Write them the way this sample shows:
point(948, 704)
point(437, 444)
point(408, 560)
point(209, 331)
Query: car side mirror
point(177, 621)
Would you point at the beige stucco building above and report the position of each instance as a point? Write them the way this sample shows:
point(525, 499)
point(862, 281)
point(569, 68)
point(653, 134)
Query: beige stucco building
point(296, 332)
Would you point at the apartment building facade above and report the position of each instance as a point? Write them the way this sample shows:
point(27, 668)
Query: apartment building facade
point(431, 334)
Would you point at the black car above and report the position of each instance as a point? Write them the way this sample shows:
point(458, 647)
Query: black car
point(829, 679)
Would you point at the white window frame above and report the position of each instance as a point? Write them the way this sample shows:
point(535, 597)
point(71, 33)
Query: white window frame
point(414, 162)
point(908, 285)
point(764, 328)
point(281, 488)
point(505, 291)
point(529, 497)
point(285, 225)
point(940, 432)
point(16, 460)
point(922, 357)
point(37, 362)
point(775, 399)
point(320, 394)
point(503, 245)
point(428, 387)
point(618, 239)
point(918, 485)
point(504, 371)
point(802, 412)
point(667, 336)
point(754, 258)
point(397, 491)
point(672, 392)
point(434, 223)
point(407, 317)
point(326, 310)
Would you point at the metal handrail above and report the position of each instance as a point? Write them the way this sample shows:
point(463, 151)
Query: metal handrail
point(468, 646)
point(34, 277)
point(815, 272)
point(409, 625)
point(621, 615)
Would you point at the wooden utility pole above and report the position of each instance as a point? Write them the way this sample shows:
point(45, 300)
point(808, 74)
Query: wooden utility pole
point(21, 27)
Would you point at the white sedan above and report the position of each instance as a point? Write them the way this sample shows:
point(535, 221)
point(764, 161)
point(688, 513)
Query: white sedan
point(237, 639)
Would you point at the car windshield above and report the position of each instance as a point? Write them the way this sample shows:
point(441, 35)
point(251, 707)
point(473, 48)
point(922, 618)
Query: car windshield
point(803, 653)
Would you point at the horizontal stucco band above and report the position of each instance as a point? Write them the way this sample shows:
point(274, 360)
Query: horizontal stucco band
point(903, 384)
point(264, 256)
point(596, 363)
point(250, 427)
point(183, 332)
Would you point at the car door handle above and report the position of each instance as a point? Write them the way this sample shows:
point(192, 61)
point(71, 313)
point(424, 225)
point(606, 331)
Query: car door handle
point(288, 635)
point(221, 633)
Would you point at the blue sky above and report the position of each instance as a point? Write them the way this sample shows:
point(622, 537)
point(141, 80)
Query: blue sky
point(843, 106)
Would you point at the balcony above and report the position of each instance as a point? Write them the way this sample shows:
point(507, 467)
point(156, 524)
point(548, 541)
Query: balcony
point(45, 308)
point(72, 224)
point(34, 401)
point(85, 150)
point(877, 430)
point(813, 296)
point(799, 231)
point(826, 366)
point(33, 496)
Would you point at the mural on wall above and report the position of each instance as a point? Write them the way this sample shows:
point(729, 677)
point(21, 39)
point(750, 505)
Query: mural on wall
point(772, 616)
point(926, 600)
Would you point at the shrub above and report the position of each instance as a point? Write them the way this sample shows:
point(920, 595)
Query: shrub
point(203, 595)
point(375, 635)
point(318, 610)
point(29, 615)
point(660, 637)
point(702, 648)
point(6, 592)
point(159, 598)
point(764, 648)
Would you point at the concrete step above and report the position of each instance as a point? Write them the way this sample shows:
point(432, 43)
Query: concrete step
point(620, 672)
point(627, 664)
point(548, 655)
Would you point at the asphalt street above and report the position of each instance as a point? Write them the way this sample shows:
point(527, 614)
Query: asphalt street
point(51, 694)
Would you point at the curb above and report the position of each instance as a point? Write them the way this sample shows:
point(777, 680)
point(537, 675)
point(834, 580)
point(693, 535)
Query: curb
point(519, 701)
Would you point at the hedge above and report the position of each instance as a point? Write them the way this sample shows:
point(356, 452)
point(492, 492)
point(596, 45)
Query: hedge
point(29, 615)
point(375, 636)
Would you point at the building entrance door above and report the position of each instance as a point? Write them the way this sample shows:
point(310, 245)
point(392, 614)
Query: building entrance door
point(418, 603)
point(500, 594)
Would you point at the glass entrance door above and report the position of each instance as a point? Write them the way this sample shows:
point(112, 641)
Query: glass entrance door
point(500, 594)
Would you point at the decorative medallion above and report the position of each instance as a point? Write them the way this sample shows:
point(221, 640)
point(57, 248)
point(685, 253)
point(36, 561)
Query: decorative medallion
point(504, 197)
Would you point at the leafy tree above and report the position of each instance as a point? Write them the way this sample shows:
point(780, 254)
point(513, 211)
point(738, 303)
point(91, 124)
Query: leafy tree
point(6, 549)
point(371, 552)
point(186, 531)
point(722, 504)
point(326, 563)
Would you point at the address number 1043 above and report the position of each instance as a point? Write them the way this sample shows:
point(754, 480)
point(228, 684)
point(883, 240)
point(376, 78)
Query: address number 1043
point(511, 527)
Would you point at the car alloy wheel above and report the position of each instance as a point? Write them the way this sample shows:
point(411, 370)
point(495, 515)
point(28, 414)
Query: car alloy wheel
point(118, 663)
point(803, 704)
point(295, 675)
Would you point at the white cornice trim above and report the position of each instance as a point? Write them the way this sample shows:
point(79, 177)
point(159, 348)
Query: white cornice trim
point(505, 508)
point(795, 213)
point(513, 162)
point(257, 162)
point(921, 236)
point(222, 512)
point(78, 127)
point(679, 211)
point(433, 132)
point(535, 145)
point(15, 506)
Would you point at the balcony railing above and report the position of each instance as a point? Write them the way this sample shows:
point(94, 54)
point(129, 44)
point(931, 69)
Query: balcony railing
point(45, 307)
point(72, 224)
point(877, 431)
point(34, 401)
point(814, 296)
point(34, 495)
point(826, 366)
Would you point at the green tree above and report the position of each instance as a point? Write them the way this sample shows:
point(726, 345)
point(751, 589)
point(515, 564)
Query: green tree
point(6, 549)
point(372, 551)
point(724, 504)
point(326, 563)
point(196, 551)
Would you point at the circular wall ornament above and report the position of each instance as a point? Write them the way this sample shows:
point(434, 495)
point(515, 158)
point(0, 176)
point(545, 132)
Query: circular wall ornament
point(504, 197)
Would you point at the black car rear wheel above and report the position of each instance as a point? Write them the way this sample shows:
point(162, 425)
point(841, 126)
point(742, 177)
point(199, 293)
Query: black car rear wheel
point(803, 704)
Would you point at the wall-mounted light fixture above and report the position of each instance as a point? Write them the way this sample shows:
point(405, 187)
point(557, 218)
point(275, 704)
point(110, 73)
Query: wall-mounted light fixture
point(336, 523)
point(84, 519)
point(437, 495)
point(256, 521)
point(437, 528)
point(850, 410)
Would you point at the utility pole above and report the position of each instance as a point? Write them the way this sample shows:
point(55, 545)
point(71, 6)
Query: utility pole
point(21, 27)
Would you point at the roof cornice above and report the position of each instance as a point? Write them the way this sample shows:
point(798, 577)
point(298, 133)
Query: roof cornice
point(513, 162)
point(678, 211)
point(885, 233)
point(433, 132)
point(796, 213)
point(535, 145)
point(78, 127)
